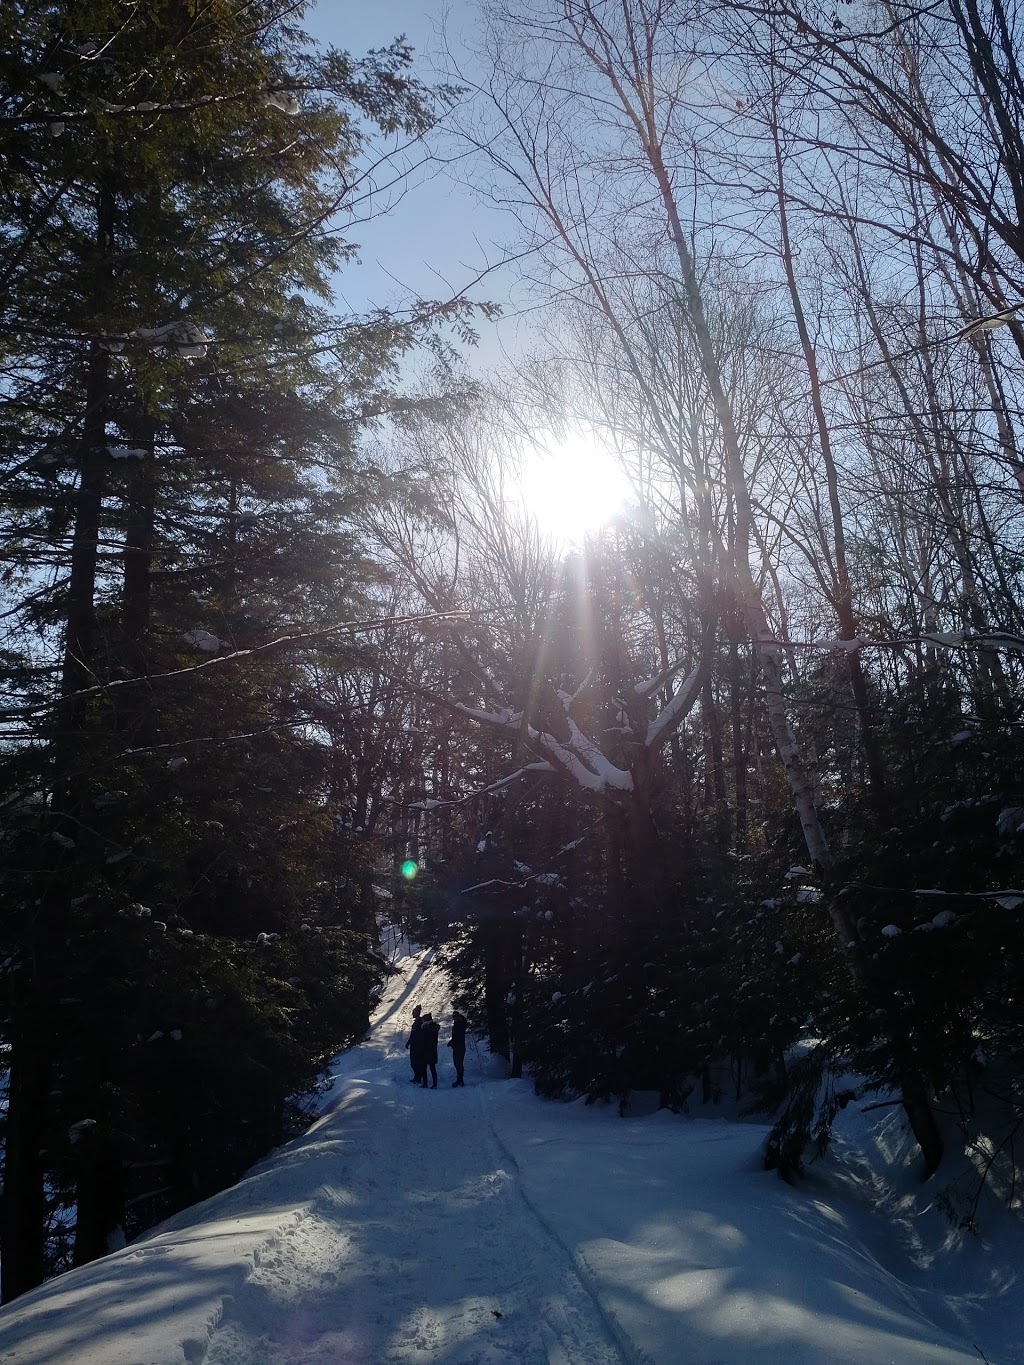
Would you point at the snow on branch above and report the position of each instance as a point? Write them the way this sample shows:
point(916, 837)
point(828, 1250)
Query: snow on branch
point(567, 698)
point(649, 686)
point(580, 757)
point(607, 771)
point(501, 719)
point(953, 639)
point(430, 803)
point(539, 878)
point(1009, 898)
point(672, 715)
point(182, 337)
point(306, 637)
point(596, 779)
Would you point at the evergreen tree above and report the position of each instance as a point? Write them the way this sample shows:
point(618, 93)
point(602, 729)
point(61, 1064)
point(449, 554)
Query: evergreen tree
point(178, 413)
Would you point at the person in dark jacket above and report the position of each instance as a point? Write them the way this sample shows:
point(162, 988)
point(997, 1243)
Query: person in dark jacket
point(428, 1032)
point(458, 1047)
point(415, 1050)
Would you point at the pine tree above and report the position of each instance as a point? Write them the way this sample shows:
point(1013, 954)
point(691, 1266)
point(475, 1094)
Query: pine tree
point(178, 411)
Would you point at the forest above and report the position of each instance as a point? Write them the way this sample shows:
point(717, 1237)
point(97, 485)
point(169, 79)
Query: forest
point(729, 795)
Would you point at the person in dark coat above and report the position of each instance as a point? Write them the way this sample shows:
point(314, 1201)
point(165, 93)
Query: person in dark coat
point(428, 1032)
point(415, 1051)
point(458, 1047)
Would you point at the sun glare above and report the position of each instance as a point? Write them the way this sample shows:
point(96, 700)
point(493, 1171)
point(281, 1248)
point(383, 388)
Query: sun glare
point(571, 486)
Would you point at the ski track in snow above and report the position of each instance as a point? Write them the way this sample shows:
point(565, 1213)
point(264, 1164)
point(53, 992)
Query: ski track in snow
point(375, 1268)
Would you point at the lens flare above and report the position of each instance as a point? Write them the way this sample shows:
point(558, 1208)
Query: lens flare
point(409, 869)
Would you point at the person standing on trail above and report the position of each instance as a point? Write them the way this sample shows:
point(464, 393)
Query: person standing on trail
point(428, 1032)
point(411, 1044)
point(458, 1047)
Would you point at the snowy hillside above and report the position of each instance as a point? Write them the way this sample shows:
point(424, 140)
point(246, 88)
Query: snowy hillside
point(486, 1227)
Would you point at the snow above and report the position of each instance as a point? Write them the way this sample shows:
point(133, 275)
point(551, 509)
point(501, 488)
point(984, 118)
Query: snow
point(202, 639)
point(670, 718)
point(593, 772)
point(767, 645)
point(183, 337)
point(648, 685)
point(547, 879)
point(989, 324)
point(1010, 820)
point(483, 1226)
point(283, 100)
point(849, 646)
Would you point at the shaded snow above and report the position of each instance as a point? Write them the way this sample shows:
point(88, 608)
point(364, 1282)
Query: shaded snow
point(483, 1226)
point(204, 640)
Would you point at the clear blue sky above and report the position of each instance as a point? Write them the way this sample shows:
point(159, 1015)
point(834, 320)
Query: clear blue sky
point(439, 236)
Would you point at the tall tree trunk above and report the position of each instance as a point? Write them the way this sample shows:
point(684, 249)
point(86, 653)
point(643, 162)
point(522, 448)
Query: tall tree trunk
point(32, 1038)
point(843, 589)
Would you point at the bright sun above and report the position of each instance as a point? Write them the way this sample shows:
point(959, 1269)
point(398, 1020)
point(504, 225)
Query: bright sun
point(571, 486)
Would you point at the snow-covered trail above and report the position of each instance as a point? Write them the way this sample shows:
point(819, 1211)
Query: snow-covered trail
point(482, 1226)
point(417, 1246)
point(394, 1232)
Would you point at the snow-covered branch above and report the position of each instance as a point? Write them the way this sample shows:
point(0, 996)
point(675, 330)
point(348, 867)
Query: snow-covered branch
point(1000, 640)
point(579, 757)
point(1007, 897)
point(649, 686)
point(431, 803)
point(237, 655)
point(597, 781)
point(671, 716)
point(611, 775)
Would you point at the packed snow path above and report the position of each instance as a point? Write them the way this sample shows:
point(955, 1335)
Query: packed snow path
point(481, 1226)
point(393, 1233)
point(418, 1246)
